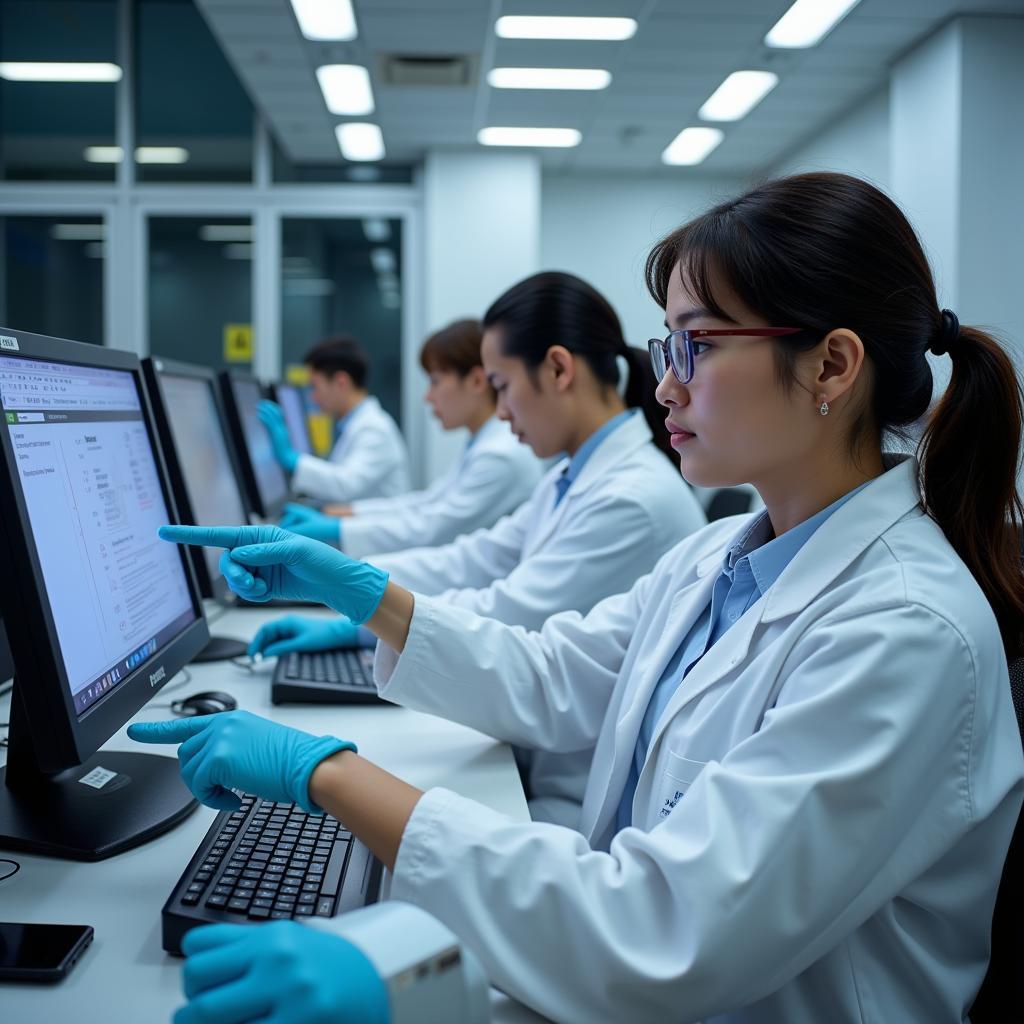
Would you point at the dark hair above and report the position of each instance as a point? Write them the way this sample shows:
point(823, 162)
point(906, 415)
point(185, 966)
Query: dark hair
point(340, 354)
point(554, 308)
point(455, 348)
point(822, 251)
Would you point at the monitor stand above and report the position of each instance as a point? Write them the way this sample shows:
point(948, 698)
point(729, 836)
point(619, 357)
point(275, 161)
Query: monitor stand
point(221, 648)
point(114, 801)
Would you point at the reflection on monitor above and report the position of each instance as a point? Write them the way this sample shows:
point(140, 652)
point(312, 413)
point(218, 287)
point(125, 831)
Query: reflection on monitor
point(203, 455)
point(294, 408)
point(270, 479)
point(99, 611)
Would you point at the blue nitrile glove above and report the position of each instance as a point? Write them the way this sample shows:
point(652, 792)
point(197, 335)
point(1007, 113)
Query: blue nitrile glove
point(237, 750)
point(281, 972)
point(266, 562)
point(272, 418)
point(308, 522)
point(296, 633)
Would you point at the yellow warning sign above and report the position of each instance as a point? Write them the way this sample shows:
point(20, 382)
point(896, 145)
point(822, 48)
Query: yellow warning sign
point(297, 374)
point(238, 343)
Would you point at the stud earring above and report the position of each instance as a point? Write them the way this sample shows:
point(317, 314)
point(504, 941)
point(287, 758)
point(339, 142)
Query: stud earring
point(823, 408)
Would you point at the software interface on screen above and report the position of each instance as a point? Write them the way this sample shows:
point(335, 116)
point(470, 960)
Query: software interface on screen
point(205, 463)
point(270, 478)
point(88, 473)
point(295, 416)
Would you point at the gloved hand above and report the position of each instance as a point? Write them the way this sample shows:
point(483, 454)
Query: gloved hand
point(296, 633)
point(265, 562)
point(237, 750)
point(307, 522)
point(280, 972)
point(272, 418)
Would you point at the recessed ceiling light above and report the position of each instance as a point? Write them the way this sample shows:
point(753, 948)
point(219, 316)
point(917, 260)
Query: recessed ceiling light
point(360, 141)
point(517, 27)
point(161, 155)
point(346, 89)
point(691, 146)
point(549, 78)
point(79, 232)
point(325, 19)
point(34, 71)
point(376, 229)
point(738, 95)
point(558, 137)
point(807, 22)
point(383, 259)
point(226, 232)
point(104, 154)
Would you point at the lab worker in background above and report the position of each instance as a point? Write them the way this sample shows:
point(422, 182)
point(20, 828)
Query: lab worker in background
point(808, 767)
point(493, 475)
point(369, 458)
point(601, 517)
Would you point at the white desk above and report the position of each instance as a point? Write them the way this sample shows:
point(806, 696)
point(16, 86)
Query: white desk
point(125, 977)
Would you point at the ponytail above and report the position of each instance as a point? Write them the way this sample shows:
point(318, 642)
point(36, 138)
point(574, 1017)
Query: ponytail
point(969, 462)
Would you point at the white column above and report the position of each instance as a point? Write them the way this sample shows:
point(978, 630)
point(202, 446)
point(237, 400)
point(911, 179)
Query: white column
point(958, 168)
point(481, 221)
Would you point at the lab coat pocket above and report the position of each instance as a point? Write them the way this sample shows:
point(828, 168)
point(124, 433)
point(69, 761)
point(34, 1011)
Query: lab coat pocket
point(678, 775)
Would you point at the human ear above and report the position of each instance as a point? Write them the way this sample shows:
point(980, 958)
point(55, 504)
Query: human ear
point(562, 365)
point(838, 364)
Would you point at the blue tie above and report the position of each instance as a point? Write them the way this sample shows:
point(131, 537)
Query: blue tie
point(562, 485)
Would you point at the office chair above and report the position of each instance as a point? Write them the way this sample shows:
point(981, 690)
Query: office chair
point(1001, 997)
point(728, 501)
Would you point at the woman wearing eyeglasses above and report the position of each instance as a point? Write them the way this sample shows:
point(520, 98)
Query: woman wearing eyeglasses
point(807, 767)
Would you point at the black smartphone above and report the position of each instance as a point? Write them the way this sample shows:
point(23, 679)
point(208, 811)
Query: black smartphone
point(40, 952)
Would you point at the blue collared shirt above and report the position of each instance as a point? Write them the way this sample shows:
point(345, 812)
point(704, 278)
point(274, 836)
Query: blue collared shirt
point(749, 568)
point(585, 450)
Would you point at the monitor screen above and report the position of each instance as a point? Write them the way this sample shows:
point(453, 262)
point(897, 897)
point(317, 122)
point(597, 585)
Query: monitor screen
point(203, 455)
point(270, 478)
point(294, 407)
point(117, 594)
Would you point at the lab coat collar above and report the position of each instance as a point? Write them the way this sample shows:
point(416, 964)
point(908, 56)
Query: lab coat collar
point(626, 438)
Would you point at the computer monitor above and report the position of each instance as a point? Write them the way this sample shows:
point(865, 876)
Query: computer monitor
point(6, 662)
point(265, 480)
point(203, 468)
point(99, 611)
point(293, 405)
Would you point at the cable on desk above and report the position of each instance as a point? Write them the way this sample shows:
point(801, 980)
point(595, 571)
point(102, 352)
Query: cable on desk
point(15, 868)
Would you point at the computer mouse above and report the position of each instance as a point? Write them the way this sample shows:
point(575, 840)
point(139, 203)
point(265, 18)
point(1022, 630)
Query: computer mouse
point(209, 702)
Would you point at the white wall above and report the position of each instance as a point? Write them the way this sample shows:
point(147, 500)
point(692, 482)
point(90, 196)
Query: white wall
point(602, 227)
point(858, 143)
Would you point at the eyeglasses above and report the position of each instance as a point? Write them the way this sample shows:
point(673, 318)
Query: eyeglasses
point(677, 349)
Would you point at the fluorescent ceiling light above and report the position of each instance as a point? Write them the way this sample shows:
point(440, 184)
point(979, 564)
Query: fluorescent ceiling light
point(238, 251)
point(517, 27)
point(807, 22)
point(104, 154)
point(325, 19)
point(548, 78)
point(226, 232)
point(79, 232)
point(376, 229)
point(561, 137)
point(360, 141)
point(738, 95)
point(161, 155)
point(692, 145)
point(346, 89)
point(383, 260)
point(27, 71)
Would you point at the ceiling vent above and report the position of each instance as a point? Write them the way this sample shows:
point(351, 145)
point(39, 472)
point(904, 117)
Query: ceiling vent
point(407, 70)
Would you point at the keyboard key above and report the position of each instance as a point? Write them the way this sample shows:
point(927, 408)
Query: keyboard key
point(217, 901)
point(258, 913)
point(190, 899)
point(239, 905)
point(304, 910)
point(260, 902)
point(280, 915)
point(324, 907)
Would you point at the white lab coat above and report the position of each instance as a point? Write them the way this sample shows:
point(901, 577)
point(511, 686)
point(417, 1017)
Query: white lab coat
point(369, 460)
point(493, 476)
point(626, 508)
point(822, 817)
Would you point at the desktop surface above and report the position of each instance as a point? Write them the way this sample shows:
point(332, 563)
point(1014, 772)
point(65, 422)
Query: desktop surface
point(125, 977)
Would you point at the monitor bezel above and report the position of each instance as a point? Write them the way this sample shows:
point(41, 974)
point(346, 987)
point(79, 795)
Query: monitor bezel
point(60, 738)
point(234, 416)
point(153, 367)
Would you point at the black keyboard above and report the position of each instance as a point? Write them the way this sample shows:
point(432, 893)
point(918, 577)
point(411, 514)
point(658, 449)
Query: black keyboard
point(270, 861)
point(342, 676)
